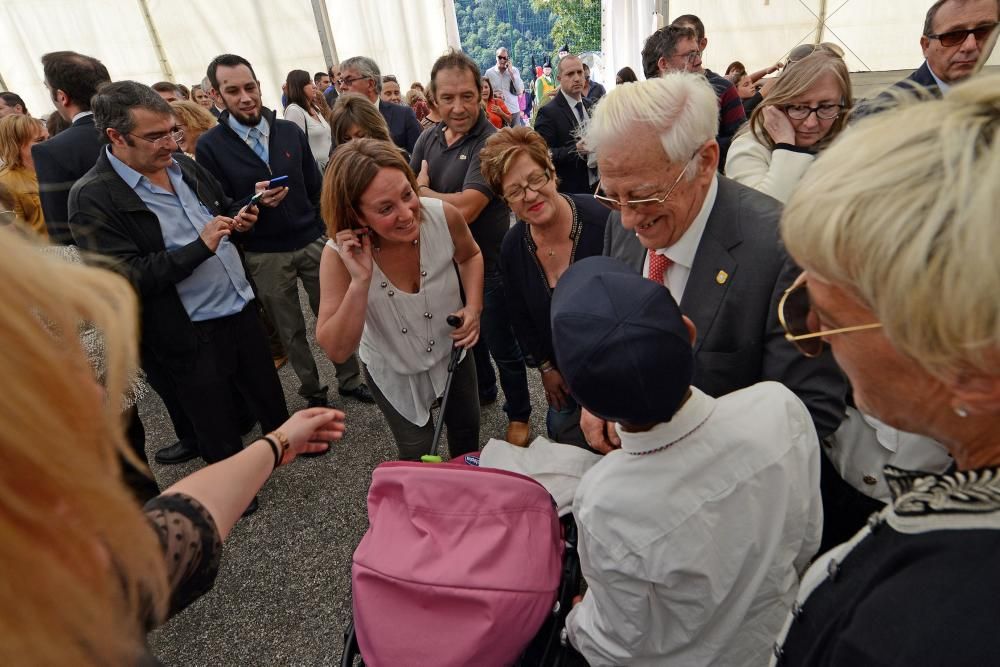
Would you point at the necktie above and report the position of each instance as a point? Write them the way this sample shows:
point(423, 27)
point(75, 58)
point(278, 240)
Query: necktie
point(257, 143)
point(579, 111)
point(658, 265)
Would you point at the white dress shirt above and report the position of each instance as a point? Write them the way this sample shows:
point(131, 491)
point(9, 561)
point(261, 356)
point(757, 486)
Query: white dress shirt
point(682, 253)
point(693, 535)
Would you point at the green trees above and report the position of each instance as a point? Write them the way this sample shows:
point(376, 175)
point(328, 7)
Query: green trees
point(486, 25)
point(577, 22)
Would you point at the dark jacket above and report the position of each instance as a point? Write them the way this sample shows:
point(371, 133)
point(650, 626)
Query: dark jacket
point(107, 217)
point(529, 298)
point(919, 80)
point(59, 163)
point(403, 124)
point(557, 124)
point(296, 221)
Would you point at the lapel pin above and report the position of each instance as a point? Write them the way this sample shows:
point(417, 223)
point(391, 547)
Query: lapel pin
point(721, 277)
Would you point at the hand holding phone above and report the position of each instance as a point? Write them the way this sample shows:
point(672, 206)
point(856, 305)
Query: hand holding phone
point(270, 193)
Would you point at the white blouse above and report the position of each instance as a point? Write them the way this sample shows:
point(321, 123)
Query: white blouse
point(410, 368)
point(317, 131)
point(773, 172)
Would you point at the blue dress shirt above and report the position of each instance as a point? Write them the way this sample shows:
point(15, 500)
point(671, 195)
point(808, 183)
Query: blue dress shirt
point(244, 132)
point(219, 286)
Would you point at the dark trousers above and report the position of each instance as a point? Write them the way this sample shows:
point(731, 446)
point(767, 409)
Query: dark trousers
point(143, 486)
point(461, 417)
point(496, 338)
point(232, 353)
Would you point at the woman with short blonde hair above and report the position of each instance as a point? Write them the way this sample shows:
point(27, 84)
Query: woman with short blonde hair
point(802, 114)
point(194, 120)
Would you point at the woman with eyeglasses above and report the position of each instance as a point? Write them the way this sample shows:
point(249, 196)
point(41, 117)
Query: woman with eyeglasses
point(388, 286)
point(896, 229)
point(552, 231)
point(804, 111)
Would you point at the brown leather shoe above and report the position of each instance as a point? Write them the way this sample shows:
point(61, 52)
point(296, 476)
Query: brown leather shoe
point(280, 361)
point(518, 433)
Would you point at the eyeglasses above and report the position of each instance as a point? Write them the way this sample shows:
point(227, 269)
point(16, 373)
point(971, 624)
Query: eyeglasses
point(823, 111)
point(690, 56)
point(175, 135)
point(502, 58)
point(795, 315)
point(536, 182)
point(956, 37)
point(349, 80)
point(634, 204)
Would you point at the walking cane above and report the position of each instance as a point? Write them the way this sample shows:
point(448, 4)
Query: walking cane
point(456, 352)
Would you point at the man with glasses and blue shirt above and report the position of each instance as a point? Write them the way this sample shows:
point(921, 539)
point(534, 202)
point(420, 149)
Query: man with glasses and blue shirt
point(711, 241)
point(955, 32)
point(247, 149)
point(165, 224)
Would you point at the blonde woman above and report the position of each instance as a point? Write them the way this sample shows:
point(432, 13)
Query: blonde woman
point(193, 120)
point(86, 572)
point(18, 133)
point(802, 114)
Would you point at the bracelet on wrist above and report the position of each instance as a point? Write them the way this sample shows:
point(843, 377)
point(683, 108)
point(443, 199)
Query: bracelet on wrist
point(275, 449)
point(282, 441)
point(546, 366)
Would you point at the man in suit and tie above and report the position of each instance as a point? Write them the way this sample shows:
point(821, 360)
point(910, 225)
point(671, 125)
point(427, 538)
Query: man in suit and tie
point(955, 32)
point(713, 242)
point(362, 75)
point(558, 124)
point(72, 79)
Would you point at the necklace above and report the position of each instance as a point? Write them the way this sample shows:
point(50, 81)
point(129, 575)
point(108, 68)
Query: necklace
point(574, 235)
point(405, 327)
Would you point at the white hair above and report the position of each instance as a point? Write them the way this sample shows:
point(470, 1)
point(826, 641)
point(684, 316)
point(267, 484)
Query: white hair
point(901, 211)
point(681, 108)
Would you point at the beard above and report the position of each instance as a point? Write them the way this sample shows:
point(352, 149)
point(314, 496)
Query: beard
point(244, 119)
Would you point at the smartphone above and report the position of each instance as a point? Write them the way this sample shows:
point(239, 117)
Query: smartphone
point(255, 199)
point(277, 181)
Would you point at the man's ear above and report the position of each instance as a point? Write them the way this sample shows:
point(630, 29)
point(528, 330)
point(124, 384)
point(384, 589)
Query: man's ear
point(925, 44)
point(708, 160)
point(661, 64)
point(703, 44)
point(115, 137)
point(692, 329)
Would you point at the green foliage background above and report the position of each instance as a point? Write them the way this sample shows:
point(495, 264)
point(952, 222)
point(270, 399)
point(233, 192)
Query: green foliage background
point(527, 28)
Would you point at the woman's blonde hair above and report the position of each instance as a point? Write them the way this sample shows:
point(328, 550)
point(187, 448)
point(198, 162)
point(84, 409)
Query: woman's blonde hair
point(798, 81)
point(197, 118)
point(505, 146)
point(16, 130)
point(352, 169)
point(83, 572)
point(901, 212)
point(354, 110)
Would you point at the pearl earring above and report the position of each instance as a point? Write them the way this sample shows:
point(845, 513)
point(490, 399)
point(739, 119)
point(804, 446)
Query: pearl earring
point(961, 410)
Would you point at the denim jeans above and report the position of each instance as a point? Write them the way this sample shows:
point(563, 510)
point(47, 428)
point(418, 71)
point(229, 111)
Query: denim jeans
point(497, 339)
point(564, 425)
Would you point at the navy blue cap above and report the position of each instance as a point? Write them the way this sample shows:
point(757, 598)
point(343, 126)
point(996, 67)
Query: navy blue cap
point(620, 342)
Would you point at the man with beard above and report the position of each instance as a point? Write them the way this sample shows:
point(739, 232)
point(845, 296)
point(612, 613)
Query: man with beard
point(250, 146)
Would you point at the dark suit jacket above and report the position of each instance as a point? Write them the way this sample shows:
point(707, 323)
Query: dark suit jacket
point(59, 163)
point(920, 79)
point(557, 122)
point(331, 96)
point(403, 124)
point(739, 273)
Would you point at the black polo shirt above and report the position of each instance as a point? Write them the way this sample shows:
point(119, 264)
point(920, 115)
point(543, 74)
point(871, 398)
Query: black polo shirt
point(456, 168)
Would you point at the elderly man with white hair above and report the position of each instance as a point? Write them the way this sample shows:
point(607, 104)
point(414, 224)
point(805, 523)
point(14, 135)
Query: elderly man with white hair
point(711, 241)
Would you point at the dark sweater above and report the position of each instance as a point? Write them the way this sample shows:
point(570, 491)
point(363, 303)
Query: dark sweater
point(296, 221)
point(529, 298)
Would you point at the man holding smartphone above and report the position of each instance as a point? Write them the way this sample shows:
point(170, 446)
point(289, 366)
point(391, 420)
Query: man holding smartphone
point(248, 146)
point(506, 80)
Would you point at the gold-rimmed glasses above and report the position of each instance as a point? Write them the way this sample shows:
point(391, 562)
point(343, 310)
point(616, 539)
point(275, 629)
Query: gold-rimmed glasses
point(795, 315)
point(634, 204)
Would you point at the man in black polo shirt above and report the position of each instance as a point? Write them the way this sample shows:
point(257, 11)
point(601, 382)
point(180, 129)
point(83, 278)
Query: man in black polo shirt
point(447, 160)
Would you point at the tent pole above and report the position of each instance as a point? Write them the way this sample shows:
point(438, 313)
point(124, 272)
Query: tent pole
point(325, 32)
point(154, 35)
point(821, 21)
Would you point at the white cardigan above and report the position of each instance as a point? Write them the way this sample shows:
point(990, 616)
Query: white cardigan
point(775, 173)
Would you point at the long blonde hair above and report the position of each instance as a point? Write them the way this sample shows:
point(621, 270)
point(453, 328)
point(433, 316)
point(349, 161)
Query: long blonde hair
point(83, 572)
point(16, 130)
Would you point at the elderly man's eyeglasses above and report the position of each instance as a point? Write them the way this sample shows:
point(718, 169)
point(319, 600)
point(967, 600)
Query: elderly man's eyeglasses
point(796, 317)
point(536, 182)
point(176, 135)
point(823, 111)
point(346, 81)
point(956, 37)
point(633, 204)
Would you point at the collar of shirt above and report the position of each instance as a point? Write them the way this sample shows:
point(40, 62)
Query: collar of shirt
point(481, 125)
point(572, 103)
point(684, 250)
point(82, 114)
point(134, 178)
point(244, 130)
point(695, 412)
point(944, 87)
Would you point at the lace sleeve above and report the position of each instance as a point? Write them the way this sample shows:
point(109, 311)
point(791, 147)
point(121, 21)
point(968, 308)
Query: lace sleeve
point(191, 546)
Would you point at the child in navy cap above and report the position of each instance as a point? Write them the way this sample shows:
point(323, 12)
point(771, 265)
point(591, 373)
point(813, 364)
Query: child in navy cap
point(693, 534)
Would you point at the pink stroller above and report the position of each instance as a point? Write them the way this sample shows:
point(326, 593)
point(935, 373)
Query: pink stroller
point(460, 566)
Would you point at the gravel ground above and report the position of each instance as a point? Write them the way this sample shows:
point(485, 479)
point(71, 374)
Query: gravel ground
point(283, 594)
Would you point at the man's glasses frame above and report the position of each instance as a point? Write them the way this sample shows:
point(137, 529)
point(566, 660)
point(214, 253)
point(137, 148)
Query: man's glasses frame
point(348, 80)
point(634, 204)
point(175, 135)
point(956, 37)
point(809, 343)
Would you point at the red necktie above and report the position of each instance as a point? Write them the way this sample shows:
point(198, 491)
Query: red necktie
point(658, 265)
